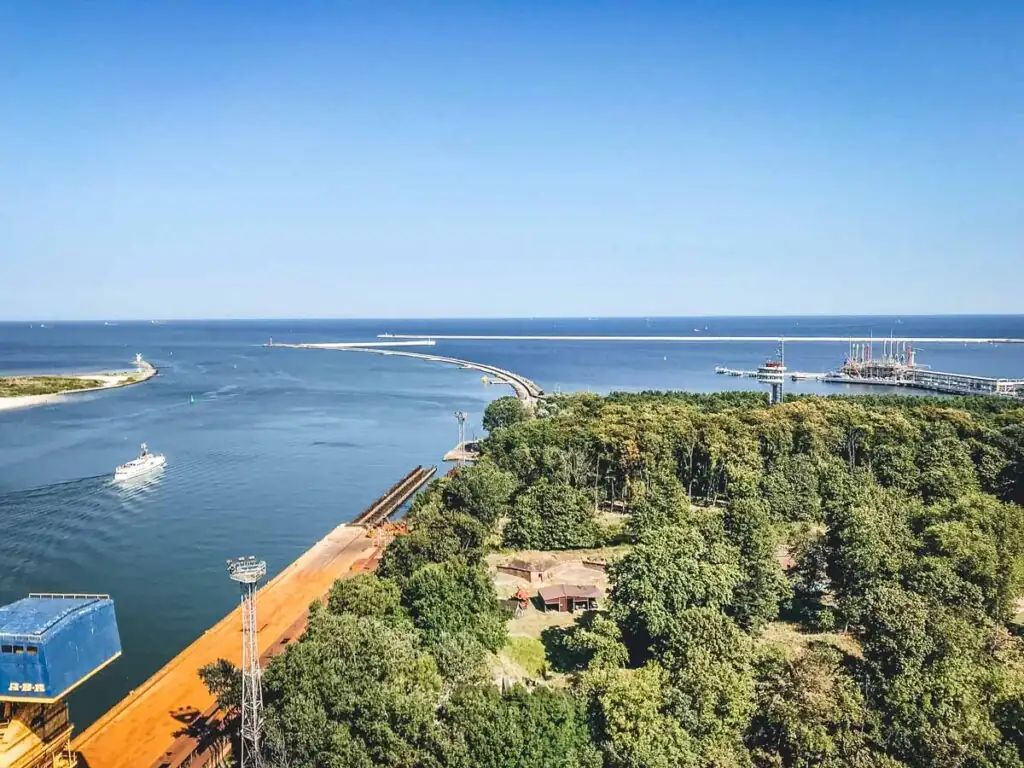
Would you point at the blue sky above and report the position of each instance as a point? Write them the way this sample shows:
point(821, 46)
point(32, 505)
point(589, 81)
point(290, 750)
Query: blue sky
point(188, 159)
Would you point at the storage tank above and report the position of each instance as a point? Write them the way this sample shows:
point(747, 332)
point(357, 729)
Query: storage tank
point(51, 643)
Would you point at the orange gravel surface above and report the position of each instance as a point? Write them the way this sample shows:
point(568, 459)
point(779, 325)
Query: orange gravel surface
point(139, 729)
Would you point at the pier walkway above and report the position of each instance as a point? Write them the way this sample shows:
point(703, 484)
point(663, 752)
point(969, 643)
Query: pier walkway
point(151, 726)
point(938, 381)
point(772, 339)
point(355, 344)
point(526, 390)
point(794, 375)
point(909, 377)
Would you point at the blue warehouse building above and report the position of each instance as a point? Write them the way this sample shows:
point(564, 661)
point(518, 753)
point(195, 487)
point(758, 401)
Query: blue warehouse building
point(51, 643)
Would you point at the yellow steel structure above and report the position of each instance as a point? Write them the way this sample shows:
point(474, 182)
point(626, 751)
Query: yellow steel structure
point(35, 736)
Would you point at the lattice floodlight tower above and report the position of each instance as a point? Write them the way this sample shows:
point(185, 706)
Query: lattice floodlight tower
point(461, 416)
point(247, 571)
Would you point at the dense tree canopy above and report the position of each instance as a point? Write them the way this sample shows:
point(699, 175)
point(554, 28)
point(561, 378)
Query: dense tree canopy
point(552, 516)
point(829, 582)
point(668, 571)
point(482, 491)
point(504, 412)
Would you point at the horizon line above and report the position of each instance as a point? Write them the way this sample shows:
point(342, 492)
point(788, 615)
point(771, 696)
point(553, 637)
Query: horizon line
point(713, 339)
point(527, 318)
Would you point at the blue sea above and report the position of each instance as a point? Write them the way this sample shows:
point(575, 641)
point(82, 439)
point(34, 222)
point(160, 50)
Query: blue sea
point(270, 448)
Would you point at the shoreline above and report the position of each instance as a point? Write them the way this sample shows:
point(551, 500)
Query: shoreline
point(109, 379)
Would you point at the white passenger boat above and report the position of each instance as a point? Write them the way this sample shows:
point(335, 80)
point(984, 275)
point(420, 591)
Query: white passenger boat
point(147, 462)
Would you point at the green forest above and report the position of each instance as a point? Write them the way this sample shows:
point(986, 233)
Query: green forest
point(829, 582)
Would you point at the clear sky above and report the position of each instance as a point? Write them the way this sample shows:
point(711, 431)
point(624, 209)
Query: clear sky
point(386, 159)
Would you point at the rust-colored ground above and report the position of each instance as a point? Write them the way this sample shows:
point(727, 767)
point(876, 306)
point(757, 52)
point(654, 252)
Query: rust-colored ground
point(138, 731)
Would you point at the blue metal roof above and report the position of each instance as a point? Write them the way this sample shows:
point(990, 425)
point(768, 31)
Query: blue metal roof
point(36, 614)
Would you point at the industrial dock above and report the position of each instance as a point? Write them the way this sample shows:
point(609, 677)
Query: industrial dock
point(171, 720)
point(896, 367)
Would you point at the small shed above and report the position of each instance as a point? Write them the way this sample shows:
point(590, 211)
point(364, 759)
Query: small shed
point(569, 597)
point(531, 570)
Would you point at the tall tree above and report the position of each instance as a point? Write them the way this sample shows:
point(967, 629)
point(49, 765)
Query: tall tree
point(224, 680)
point(367, 594)
point(481, 491)
point(519, 729)
point(630, 714)
point(504, 412)
point(668, 571)
point(982, 541)
point(925, 671)
point(810, 712)
point(355, 691)
point(445, 599)
point(763, 586)
point(869, 543)
point(711, 683)
point(944, 464)
point(552, 516)
point(1011, 477)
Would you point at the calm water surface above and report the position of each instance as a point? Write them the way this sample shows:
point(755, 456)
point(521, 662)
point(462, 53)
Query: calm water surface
point(281, 445)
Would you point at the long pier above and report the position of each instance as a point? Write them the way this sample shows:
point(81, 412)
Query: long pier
point(526, 390)
point(794, 375)
point(355, 344)
point(909, 377)
point(171, 720)
point(772, 339)
point(937, 381)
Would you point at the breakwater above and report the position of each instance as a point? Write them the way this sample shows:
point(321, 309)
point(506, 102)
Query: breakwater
point(526, 390)
point(706, 338)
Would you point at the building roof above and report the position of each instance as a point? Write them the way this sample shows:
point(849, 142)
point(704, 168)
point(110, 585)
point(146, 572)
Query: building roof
point(38, 614)
point(557, 591)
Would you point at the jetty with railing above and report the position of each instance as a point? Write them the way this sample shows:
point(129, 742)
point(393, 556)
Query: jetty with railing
point(898, 367)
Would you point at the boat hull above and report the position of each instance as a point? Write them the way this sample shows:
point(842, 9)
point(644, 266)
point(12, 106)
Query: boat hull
point(128, 471)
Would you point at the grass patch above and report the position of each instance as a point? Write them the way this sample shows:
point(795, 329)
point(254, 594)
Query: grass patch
point(528, 653)
point(43, 385)
point(790, 637)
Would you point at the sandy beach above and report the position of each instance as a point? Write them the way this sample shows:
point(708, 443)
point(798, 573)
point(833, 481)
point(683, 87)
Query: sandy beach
point(110, 380)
